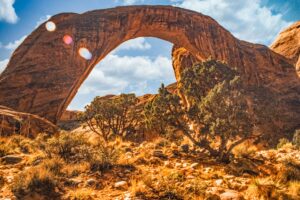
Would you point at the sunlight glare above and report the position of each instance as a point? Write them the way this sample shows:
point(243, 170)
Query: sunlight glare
point(85, 53)
point(50, 26)
point(67, 39)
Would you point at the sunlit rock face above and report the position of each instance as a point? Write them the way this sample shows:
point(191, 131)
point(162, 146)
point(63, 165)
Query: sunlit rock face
point(288, 44)
point(46, 71)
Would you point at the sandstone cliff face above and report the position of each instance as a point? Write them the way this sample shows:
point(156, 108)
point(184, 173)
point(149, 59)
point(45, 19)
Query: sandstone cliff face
point(44, 73)
point(288, 44)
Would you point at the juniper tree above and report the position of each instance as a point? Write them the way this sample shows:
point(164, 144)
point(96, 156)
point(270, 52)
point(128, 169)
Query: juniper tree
point(216, 106)
point(112, 116)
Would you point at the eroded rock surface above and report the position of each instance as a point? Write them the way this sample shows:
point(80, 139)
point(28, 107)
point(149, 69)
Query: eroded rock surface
point(23, 123)
point(44, 73)
point(288, 44)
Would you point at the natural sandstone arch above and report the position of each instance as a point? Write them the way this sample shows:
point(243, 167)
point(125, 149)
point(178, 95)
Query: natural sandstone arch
point(44, 74)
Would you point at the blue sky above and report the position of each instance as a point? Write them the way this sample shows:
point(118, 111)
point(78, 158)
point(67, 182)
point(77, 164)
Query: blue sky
point(141, 65)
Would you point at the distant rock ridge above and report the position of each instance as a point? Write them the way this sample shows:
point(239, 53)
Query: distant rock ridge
point(44, 73)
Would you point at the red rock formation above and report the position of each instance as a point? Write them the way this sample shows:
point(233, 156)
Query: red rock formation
point(23, 123)
point(70, 115)
point(44, 73)
point(288, 44)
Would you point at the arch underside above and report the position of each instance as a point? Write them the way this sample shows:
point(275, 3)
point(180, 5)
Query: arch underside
point(44, 74)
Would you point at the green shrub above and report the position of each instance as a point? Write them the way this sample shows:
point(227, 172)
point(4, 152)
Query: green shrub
point(103, 157)
point(72, 148)
point(111, 117)
point(215, 109)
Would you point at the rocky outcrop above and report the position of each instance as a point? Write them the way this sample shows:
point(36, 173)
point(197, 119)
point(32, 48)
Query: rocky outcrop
point(45, 73)
point(23, 123)
point(70, 115)
point(288, 44)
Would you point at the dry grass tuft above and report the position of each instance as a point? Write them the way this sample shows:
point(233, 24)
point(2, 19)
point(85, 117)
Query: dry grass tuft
point(74, 170)
point(265, 189)
point(36, 180)
point(81, 194)
point(294, 189)
point(53, 165)
point(289, 171)
point(244, 150)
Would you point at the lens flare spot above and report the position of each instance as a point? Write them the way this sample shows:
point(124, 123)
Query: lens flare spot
point(67, 39)
point(50, 26)
point(85, 53)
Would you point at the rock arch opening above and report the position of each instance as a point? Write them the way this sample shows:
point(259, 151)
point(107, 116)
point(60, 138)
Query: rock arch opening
point(136, 66)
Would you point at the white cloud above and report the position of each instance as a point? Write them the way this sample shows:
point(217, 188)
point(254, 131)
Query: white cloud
point(129, 2)
point(3, 64)
point(135, 44)
point(13, 45)
point(246, 19)
point(116, 74)
point(7, 11)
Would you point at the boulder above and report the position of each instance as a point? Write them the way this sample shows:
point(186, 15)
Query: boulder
point(121, 185)
point(231, 195)
point(11, 159)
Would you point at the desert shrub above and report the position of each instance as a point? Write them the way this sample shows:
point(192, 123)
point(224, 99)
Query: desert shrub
point(22, 144)
point(53, 165)
point(216, 110)
point(282, 142)
point(115, 116)
point(289, 171)
point(35, 181)
point(264, 189)
point(165, 187)
point(70, 147)
point(296, 138)
point(168, 185)
point(103, 157)
point(244, 150)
